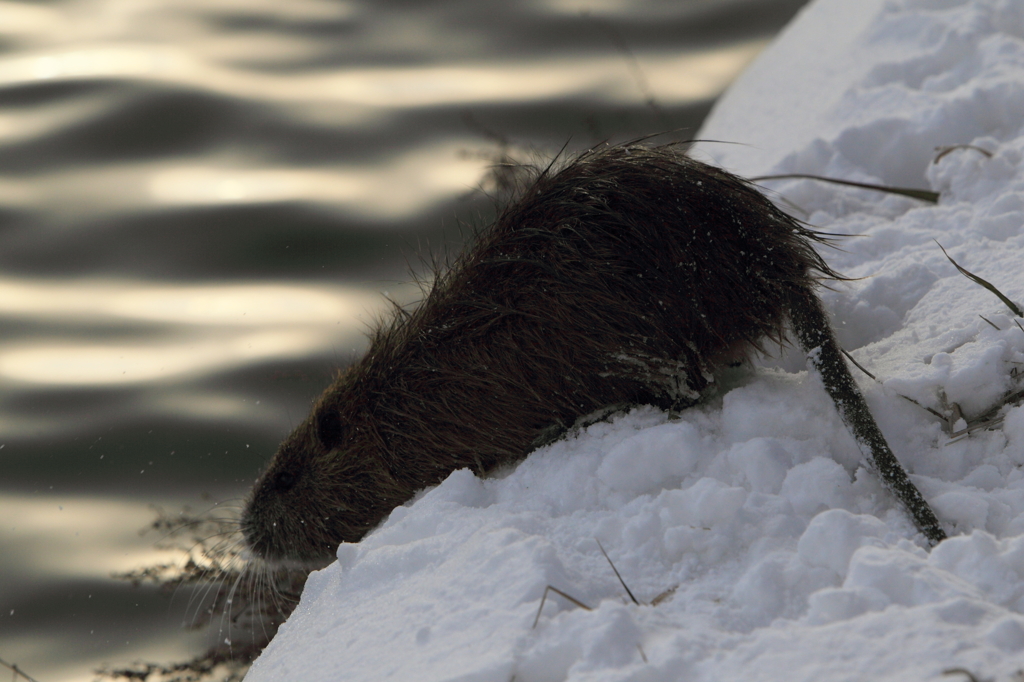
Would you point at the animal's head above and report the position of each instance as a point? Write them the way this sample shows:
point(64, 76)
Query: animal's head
point(328, 483)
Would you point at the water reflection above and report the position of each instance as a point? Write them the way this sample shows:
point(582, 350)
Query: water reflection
point(299, 321)
point(81, 365)
point(267, 304)
point(57, 537)
point(675, 76)
point(58, 553)
point(201, 203)
point(408, 184)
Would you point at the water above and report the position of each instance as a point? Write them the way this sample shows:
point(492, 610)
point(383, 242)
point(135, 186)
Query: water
point(201, 204)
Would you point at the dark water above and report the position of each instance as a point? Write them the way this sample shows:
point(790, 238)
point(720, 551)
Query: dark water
point(201, 202)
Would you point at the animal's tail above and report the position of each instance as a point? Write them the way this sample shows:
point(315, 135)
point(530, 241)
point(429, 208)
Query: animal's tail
point(815, 335)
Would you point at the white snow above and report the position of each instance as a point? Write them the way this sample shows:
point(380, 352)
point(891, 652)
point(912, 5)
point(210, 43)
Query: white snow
point(788, 560)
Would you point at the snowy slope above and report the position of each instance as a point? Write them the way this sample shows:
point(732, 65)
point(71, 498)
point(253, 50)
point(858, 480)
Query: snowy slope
point(788, 560)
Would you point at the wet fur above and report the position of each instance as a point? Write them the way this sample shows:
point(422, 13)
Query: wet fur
point(624, 277)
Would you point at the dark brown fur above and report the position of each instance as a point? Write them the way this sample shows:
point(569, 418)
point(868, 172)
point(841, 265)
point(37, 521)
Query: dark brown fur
point(626, 277)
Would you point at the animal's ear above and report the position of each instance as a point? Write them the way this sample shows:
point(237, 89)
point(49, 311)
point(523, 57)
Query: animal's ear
point(328, 427)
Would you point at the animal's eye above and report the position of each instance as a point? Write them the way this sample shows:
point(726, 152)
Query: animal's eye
point(285, 480)
point(328, 428)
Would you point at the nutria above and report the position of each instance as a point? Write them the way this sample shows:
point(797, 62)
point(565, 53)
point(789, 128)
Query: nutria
point(625, 277)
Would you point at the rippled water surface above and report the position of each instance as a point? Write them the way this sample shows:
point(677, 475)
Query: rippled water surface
point(202, 203)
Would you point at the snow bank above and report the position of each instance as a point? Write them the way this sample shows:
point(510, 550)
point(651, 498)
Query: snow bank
point(786, 558)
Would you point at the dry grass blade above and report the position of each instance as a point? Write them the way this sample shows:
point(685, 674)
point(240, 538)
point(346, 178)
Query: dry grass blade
point(919, 194)
point(857, 364)
point(624, 585)
point(664, 595)
point(942, 151)
point(961, 671)
point(200, 668)
point(1014, 308)
point(16, 672)
point(861, 368)
point(986, 420)
point(249, 601)
point(633, 64)
point(557, 591)
point(994, 325)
